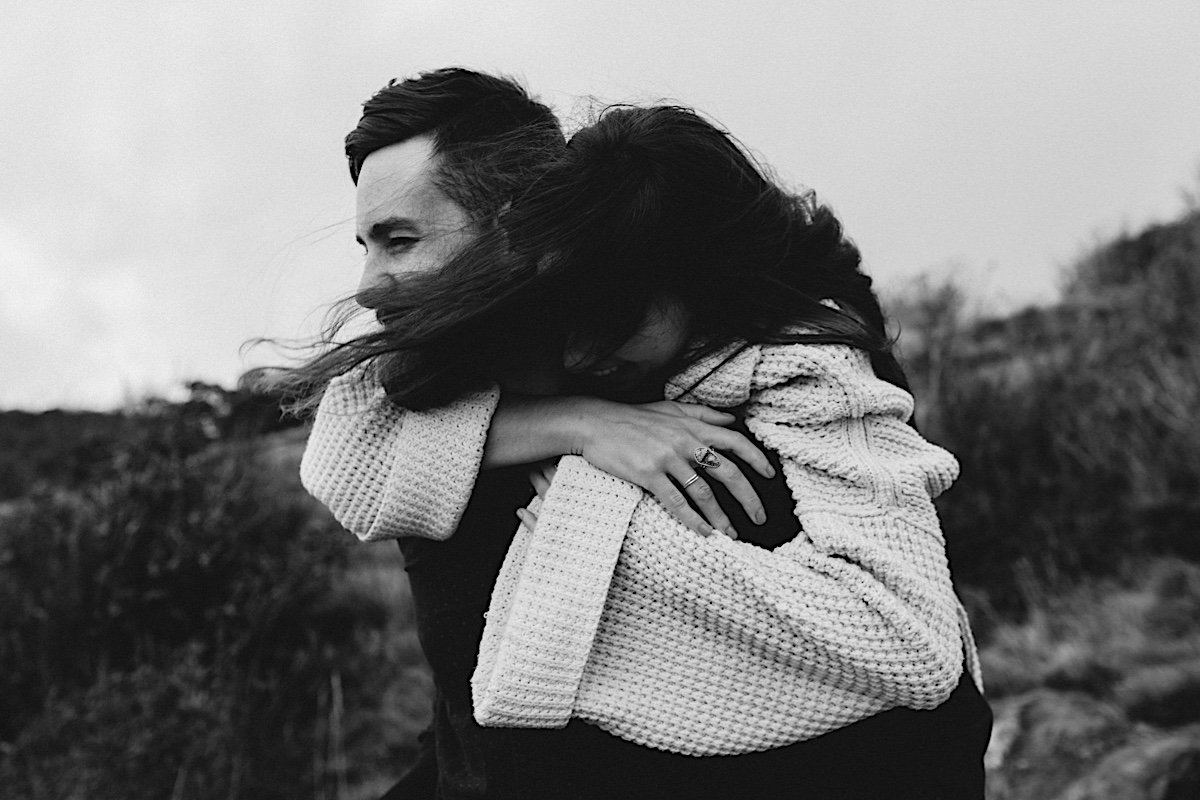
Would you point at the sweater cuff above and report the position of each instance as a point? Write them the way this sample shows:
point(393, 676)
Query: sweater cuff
point(546, 606)
point(435, 463)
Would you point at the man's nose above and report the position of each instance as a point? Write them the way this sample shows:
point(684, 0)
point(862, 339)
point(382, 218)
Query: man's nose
point(374, 279)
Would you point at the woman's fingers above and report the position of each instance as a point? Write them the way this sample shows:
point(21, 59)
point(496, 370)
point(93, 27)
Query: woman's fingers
point(743, 448)
point(540, 484)
point(697, 488)
point(714, 432)
point(674, 501)
point(542, 475)
point(705, 414)
point(527, 517)
point(731, 475)
point(653, 446)
point(741, 489)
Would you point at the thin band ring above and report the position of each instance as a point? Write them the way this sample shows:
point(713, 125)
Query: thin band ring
point(706, 458)
point(695, 477)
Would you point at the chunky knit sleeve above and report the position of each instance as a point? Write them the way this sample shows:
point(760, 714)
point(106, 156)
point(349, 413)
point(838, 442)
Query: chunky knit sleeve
point(711, 646)
point(387, 472)
point(867, 580)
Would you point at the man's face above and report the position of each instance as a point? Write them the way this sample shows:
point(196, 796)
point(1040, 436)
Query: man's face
point(404, 222)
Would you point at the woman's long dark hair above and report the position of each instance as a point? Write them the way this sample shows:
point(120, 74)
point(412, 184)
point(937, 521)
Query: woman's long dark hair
point(646, 205)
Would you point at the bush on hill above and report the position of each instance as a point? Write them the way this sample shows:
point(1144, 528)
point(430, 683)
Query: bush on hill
point(183, 627)
point(71, 449)
point(1074, 424)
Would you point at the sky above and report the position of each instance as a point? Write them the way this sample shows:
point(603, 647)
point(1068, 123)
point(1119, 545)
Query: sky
point(172, 181)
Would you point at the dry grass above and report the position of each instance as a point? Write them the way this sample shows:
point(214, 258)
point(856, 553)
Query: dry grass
point(1133, 639)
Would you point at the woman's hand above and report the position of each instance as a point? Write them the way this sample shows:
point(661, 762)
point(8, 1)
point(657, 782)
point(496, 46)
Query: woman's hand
point(652, 446)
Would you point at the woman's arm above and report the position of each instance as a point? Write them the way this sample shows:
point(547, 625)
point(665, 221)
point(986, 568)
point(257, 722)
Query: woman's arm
point(386, 472)
point(648, 445)
point(865, 588)
point(858, 608)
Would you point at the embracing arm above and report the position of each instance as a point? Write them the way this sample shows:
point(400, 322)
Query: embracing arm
point(386, 472)
point(858, 606)
point(527, 429)
point(865, 587)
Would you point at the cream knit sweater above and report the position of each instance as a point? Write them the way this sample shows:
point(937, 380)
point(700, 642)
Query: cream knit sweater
point(387, 472)
point(613, 612)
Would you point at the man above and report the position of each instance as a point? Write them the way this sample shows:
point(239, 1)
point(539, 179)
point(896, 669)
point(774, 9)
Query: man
point(436, 159)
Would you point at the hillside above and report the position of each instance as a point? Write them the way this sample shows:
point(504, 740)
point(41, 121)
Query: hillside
point(1073, 530)
point(1073, 423)
point(182, 620)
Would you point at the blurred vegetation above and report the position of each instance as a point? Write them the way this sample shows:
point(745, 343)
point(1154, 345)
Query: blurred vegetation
point(182, 621)
point(1132, 639)
point(1073, 529)
point(1074, 424)
point(71, 449)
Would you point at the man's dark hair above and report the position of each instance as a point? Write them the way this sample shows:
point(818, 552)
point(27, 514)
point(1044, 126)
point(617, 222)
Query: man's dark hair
point(492, 141)
point(489, 133)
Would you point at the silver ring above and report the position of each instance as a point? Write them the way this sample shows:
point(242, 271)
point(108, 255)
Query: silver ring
point(695, 477)
point(706, 458)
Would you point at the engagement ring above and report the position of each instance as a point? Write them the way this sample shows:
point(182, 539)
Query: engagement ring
point(706, 458)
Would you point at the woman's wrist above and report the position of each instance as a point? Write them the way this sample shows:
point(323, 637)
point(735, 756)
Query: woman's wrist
point(527, 429)
point(577, 423)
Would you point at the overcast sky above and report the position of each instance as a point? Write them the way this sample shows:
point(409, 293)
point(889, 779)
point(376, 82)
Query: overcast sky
point(172, 183)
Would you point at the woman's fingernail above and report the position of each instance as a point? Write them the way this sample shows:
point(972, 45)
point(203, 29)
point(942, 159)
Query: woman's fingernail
point(760, 517)
point(731, 533)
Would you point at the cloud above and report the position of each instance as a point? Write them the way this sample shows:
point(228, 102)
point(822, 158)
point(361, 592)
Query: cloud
point(171, 169)
point(70, 337)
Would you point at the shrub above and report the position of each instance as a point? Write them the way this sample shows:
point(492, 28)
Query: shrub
point(1106, 637)
point(1165, 695)
point(1074, 424)
point(180, 629)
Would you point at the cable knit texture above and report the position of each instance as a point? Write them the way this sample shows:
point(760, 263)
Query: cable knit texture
point(711, 646)
point(614, 612)
point(386, 472)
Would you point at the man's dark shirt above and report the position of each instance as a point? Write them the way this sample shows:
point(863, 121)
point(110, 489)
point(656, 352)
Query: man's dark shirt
point(896, 754)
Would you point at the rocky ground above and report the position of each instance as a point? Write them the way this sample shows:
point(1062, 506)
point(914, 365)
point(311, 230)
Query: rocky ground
point(1055, 745)
point(1097, 695)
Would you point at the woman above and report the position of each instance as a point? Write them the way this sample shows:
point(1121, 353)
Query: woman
point(823, 655)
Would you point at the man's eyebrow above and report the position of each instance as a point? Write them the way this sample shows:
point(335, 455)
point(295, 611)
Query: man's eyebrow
point(383, 227)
